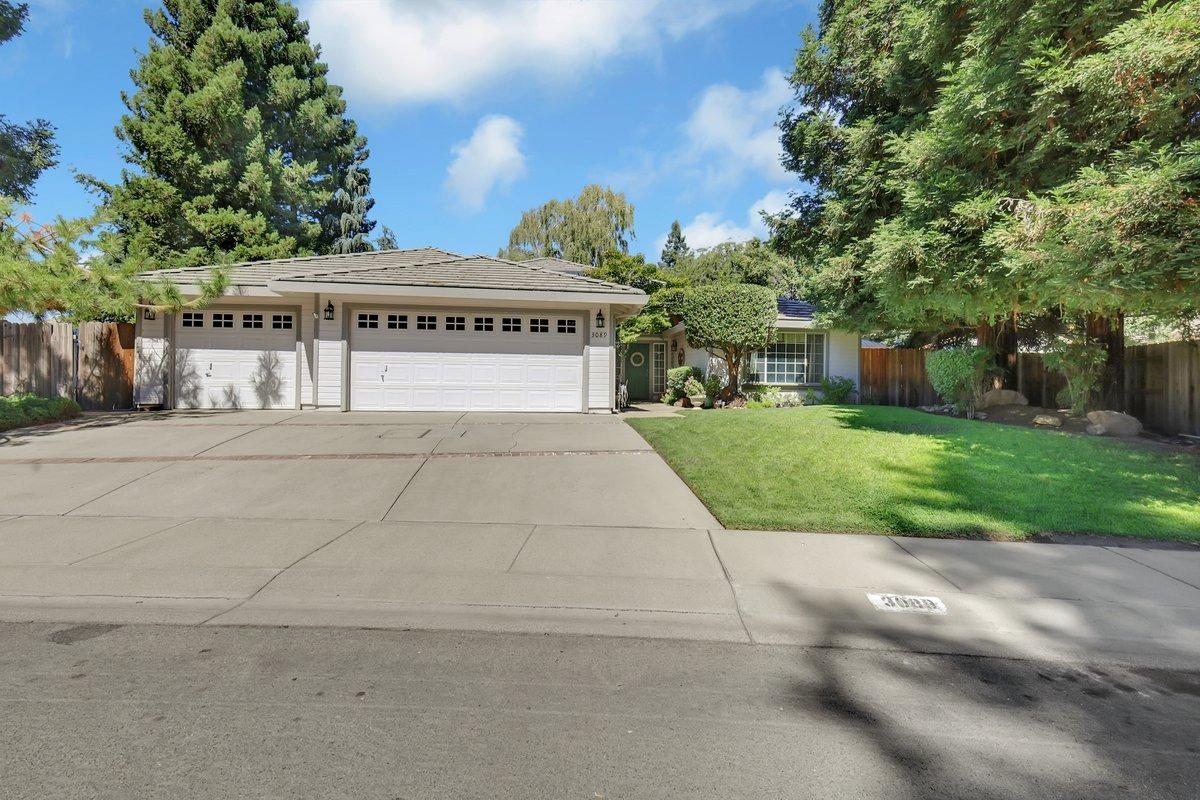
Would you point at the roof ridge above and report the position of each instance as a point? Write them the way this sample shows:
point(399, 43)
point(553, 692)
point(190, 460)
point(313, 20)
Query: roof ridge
point(292, 259)
point(450, 257)
point(570, 275)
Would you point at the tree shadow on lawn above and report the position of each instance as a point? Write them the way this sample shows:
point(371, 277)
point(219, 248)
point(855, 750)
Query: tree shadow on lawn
point(993, 480)
point(932, 717)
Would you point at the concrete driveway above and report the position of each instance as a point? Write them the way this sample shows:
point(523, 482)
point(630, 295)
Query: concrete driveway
point(516, 523)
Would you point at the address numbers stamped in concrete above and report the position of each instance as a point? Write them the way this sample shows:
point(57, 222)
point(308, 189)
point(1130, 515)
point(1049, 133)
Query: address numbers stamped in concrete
point(907, 603)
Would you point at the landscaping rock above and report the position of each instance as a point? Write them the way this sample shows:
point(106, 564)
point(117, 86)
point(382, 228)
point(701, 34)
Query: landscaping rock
point(1114, 423)
point(1002, 397)
point(1049, 420)
point(1095, 430)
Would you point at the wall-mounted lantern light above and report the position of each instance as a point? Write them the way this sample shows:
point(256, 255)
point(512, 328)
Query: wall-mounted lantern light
point(600, 319)
point(674, 345)
point(329, 311)
point(148, 313)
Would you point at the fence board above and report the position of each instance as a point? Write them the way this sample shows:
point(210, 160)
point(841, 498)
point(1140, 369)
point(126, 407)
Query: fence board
point(1162, 382)
point(41, 358)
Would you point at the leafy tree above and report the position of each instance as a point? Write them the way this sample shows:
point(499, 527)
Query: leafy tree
point(676, 247)
point(27, 150)
point(76, 268)
point(975, 163)
point(239, 146)
point(582, 229)
point(740, 262)
point(632, 270)
point(730, 321)
point(387, 240)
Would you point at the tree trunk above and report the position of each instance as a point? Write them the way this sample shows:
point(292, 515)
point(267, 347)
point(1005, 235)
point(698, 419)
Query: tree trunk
point(1109, 331)
point(1002, 338)
point(731, 365)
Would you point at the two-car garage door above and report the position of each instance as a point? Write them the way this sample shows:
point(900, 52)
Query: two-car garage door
point(439, 360)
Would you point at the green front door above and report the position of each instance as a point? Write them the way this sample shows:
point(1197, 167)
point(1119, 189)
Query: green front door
point(637, 371)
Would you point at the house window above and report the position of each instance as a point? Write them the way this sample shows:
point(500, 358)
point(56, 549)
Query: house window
point(368, 320)
point(566, 326)
point(795, 358)
point(539, 325)
point(397, 322)
point(456, 323)
point(222, 320)
point(658, 368)
point(281, 322)
point(193, 319)
point(510, 324)
point(484, 323)
point(252, 320)
point(426, 323)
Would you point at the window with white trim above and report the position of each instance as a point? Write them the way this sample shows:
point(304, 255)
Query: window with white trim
point(252, 320)
point(485, 324)
point(795, 358)
point(566, 326)
point(456, 323)
point(222, 320)
point(193, 319)
point(510, 324)
point(539, 325)
point(426, 322)
point(397, 322)
point(368, 320)
point(281, 322)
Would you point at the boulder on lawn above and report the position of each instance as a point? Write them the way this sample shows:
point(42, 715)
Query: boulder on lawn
point(1002, 397)
point(1048, 420)
point(1114, 423)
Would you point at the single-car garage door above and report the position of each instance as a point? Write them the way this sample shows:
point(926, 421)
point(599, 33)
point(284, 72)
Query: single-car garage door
point(438, 360)
point(243, 358)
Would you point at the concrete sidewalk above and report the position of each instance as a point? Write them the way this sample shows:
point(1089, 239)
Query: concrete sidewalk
point(1131, 604)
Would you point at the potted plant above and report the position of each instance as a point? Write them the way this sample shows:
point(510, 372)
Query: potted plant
point(694, 390)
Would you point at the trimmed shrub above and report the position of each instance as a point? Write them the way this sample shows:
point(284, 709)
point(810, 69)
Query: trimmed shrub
point(693, 387)
point(19, 410)
point(731, 321)
point(712, 385)
point(836, 389)
point(957, 374)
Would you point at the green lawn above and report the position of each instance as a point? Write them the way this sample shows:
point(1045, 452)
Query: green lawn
point(877, 469)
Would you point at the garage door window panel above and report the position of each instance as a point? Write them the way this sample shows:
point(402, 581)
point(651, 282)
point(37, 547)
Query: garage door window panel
point(456, 323)
point(222, 320)
point(281, 322)
point(252, 321)
point(193, 319)
point(510, 325)
point(368, 321)
point(397, 322)
point(484, 324)
point(426, 322)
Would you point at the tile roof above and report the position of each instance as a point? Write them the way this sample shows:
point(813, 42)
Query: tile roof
point(795, 309)
point(558, 265)
point(427, 266)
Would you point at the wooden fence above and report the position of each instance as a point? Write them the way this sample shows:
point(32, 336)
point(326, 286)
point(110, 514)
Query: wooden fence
point(95, 367)
point(1162, 382)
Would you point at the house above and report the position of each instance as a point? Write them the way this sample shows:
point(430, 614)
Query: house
point(422, 329)
point(801, 355)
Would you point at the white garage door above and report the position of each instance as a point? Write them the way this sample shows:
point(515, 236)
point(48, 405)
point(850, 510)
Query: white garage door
point(434, 360)
point(244, 358)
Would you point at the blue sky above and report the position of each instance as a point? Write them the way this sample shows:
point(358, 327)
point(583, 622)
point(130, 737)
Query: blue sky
point(476, 112)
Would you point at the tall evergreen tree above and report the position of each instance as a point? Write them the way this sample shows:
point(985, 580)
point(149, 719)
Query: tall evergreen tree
point(239, 146)
point(26, 150)
point(675, 248)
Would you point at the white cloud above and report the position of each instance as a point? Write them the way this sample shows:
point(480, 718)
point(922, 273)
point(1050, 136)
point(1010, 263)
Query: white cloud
point(732, 130)
point(490, 159)
point(708, 228)
point(390, 51)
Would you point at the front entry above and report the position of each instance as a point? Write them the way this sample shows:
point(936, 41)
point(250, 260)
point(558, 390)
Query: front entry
point(637, 371)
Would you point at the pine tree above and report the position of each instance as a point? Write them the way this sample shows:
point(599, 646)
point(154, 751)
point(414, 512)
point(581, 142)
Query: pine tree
point(26, 150)
point(675, 248)
point(239, 146)
point(387, 239)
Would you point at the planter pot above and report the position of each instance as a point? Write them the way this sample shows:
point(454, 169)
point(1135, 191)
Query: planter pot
point(697, 400)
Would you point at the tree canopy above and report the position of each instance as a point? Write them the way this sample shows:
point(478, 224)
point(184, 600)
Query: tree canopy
point(752, 262)
point(76, 268)
point(973, 162)
point(582, 229)
point(675, 248)
point(239, 147)
point(26, 149)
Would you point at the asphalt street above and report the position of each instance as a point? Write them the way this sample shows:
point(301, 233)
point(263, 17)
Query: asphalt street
point(103, 711)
